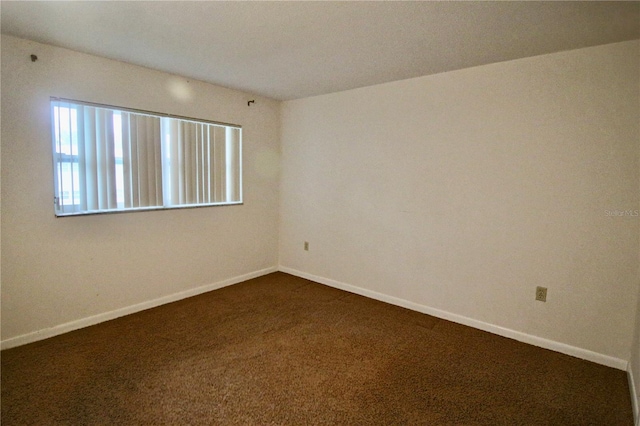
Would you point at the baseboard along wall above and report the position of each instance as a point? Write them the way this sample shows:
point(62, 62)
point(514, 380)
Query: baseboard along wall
point(585, 354)
point(106, 316)
point(501, 331)
point(635, 396)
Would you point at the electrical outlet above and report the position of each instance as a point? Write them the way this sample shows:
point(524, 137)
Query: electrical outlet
point(306, 245)
point(541, 294)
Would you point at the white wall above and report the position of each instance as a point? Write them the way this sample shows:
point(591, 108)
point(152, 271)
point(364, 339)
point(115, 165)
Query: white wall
point(461, 192)
point(56, 271)
point(634, 364)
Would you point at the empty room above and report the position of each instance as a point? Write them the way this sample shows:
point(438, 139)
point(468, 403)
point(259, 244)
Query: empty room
point(320, 213)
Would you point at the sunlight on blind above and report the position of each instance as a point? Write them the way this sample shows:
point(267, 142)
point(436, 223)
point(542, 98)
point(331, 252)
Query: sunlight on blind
point(109, 159)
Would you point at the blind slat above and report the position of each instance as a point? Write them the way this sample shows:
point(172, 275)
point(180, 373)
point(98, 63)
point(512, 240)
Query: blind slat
point(126, 160)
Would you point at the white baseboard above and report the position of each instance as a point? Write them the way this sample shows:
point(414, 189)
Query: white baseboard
point(106, 316)
point(635, 402)
point(585, 354)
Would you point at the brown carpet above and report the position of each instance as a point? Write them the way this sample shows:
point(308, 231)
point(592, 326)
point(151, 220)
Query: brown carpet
point(282, 350)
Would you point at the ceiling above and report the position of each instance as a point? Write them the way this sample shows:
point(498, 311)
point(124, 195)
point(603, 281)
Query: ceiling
point(289, 50)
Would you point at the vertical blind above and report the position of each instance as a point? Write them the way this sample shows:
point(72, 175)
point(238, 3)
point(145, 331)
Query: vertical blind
point(110, 159)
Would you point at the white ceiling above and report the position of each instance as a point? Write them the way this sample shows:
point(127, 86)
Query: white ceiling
point(289, 50)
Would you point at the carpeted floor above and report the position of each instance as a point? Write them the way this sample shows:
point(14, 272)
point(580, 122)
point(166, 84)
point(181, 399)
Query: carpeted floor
point(282, 350)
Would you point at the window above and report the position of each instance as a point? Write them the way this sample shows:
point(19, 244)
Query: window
point(110, 159)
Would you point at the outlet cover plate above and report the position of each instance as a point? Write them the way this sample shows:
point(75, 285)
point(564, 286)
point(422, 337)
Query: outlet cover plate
point(541, 294)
